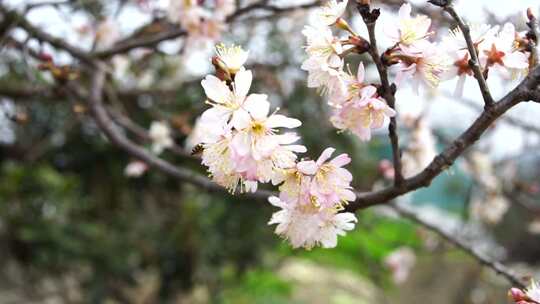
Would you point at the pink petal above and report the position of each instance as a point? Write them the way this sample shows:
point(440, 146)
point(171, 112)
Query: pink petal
point(341, 160)
point(327, 153)
point(361, 73)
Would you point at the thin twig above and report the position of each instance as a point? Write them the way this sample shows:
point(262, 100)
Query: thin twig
point(136, 42)
point(45, 37)
point(496, 266)
point(534, 33)
point(388, 91)
point(474, 63)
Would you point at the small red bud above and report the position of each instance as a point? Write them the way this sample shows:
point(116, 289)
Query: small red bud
point(45, 57)
point(530, 14)
point(360, 43)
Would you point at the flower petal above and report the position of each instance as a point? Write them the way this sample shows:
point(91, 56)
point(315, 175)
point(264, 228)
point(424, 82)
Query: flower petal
point(327, 153)
point(257, 105)
point(282, 121)
point(215, 89)
point(242, 83)
point(307, 167)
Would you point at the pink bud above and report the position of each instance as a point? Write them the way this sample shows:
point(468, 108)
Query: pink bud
point(517, 295)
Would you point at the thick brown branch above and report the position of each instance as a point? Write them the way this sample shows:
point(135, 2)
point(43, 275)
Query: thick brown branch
point(445, 159)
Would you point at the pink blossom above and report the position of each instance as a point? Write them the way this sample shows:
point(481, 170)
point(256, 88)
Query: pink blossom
point(135, 168)
point(400, 262)
point(500, 53)
point(331, 11)
point(425, 65)
point(362, 114)
point(330, 186)
point(408, 31)
point(307, 226)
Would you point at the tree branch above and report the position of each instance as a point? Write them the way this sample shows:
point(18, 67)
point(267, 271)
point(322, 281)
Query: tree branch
point(499, 268)
point(445, 159)
point(388, 91)
point(37, 33)
point(111, 131)
point(134, 42)
point(474, 63)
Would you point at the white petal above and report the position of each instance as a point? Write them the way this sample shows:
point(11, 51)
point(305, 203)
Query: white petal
point(215, 89)
point(240, 119)
point(282, 121)
point(242, 83)
point(327, 153)
point(307, 167)
point(274, 200)
point(257, 105)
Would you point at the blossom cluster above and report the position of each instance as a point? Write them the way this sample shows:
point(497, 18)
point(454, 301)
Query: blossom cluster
point(242, 146)
point(356, 105)
point(530, 295)
point(413, 55)
point(202, 22)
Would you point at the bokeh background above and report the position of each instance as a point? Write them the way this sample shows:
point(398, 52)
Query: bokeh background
point(75, 229)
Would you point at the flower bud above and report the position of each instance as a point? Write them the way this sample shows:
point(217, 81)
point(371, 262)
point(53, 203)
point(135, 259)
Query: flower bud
point(342, 24)
point(361, 44)
point(530, 15)
point(517, 295)
point(45, 57)
point(222, 72)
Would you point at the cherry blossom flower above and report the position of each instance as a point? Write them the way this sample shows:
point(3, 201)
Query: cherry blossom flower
point(257, 143)
point(202, 24)
point(324, 64)
point(160, 134)
point(533, 291)
point(458, 53)
point(408, 31)
point(331, 11)
point(135, 169)
point(217, 156)
point(426, 67)
point(307, 226)
point(322, 44)
point(107, 34)
point(323, 75)
point(400, 262)
point(225, 102)
point(349, 88)
point(362, 114)
point(330, 186)
point(232, 57)
point(501, 53)
point(531, 295)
